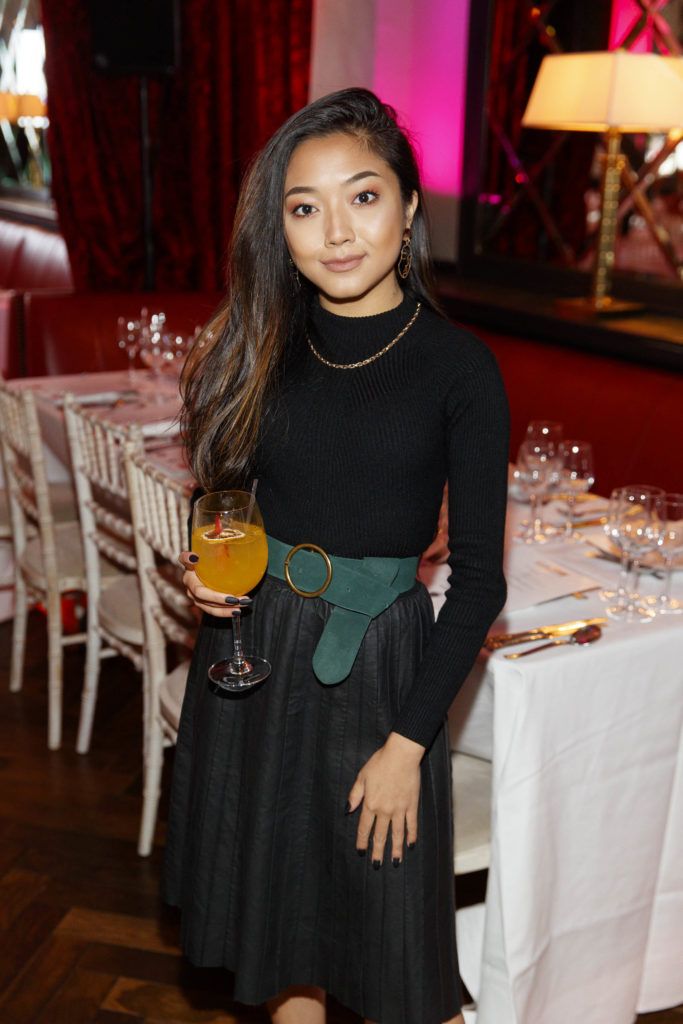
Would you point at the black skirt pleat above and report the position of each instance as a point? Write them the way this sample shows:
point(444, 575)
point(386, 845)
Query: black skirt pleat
point(260, 855)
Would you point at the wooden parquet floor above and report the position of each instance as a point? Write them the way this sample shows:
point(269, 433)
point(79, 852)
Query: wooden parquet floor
point(84, 938)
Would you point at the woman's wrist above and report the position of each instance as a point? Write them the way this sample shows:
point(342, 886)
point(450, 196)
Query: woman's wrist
point(406, 747)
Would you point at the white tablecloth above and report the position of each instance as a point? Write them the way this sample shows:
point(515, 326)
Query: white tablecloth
point(156, 399)
point(584, 908)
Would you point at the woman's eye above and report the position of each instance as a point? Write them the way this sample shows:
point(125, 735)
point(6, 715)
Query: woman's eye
point(303, 210)
point(365, 198)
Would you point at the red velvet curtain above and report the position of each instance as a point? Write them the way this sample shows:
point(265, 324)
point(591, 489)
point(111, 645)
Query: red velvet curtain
point(244, 69)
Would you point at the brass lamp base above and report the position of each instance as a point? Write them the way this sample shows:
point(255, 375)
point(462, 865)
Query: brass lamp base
point(592, 307)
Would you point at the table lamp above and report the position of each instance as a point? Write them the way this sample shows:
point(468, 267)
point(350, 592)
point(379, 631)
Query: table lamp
point(612, 92)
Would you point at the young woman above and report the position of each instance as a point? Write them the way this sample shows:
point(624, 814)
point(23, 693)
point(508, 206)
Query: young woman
point(331, 377)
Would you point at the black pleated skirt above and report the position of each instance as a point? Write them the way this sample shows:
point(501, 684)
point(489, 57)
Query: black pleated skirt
point(260, 854)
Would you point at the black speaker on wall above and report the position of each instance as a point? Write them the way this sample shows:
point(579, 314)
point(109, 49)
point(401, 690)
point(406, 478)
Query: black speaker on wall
point(140, 37)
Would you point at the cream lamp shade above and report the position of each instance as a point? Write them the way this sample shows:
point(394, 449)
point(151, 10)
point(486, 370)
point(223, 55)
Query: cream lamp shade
point(593, 92)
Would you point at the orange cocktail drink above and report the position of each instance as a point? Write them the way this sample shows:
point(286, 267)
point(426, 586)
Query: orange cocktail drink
point(232, 555)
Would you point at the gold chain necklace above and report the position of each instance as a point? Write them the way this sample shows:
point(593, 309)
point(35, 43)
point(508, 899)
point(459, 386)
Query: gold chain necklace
point(370, 359)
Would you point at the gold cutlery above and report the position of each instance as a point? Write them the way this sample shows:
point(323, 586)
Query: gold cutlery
point(582, 636)
point(579, 524)
point(496, 640)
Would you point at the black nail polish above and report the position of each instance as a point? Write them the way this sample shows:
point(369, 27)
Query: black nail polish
point(193, 558)
point(347, 809)
point(229, 599)
point(377, 864)
point(411, 846)
point(396, 861)
point(361, 853)
point(244, 602)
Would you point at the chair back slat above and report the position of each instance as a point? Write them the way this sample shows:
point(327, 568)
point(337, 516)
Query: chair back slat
point(160, 507)
point(97, 458)
point(27, 486)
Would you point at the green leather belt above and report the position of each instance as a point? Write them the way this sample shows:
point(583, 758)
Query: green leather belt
point(359, 588)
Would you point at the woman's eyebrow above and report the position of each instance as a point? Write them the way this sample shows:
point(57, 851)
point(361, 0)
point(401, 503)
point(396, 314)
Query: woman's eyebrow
point(301, 189)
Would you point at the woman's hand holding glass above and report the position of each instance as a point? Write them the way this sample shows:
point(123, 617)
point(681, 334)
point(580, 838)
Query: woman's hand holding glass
point(228, 559)
point(213, 602)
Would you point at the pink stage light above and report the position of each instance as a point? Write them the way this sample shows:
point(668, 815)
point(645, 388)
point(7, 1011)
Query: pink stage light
point(422, 71)
point(624, 13)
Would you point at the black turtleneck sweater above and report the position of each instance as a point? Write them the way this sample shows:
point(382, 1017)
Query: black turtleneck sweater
point(356, 461)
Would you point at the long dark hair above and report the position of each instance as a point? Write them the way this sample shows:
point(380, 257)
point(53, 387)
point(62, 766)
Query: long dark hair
point(236, 362)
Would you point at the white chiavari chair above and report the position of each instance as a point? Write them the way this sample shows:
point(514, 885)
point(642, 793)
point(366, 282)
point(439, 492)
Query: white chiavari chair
point(472, 779)
point(114, 612)
point(47, 553)
point(160, 509)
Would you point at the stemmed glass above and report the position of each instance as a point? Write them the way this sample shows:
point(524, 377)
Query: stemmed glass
point(544, 432)
point(670, 545)
point(635, 521)
point(536, 461)
point(128, 339)
point(577, 476)
point(129, 334)
point(611, 528)
point(229, 537)
point(153, 343)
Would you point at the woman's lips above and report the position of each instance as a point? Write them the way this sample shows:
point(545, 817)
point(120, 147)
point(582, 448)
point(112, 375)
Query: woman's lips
point(339, 266)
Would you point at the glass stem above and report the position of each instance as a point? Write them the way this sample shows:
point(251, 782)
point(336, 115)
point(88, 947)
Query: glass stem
point(238, 664)
point(535, 514)
point(668, 573)
point(633, 595)
point(622, 586)
point(569, 525)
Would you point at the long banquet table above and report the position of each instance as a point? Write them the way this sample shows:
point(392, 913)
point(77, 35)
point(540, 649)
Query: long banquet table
point(584, 909)
point(154, 407)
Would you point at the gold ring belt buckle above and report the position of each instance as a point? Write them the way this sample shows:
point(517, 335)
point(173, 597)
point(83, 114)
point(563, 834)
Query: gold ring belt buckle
point(328, 563)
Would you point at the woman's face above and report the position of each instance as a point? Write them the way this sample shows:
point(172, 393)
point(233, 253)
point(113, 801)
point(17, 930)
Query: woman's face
point(344, 221)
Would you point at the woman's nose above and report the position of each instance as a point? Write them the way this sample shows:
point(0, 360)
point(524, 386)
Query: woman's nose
point(338, 229)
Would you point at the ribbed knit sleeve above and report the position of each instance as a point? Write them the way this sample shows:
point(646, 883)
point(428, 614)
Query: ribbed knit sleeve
point(477, 442)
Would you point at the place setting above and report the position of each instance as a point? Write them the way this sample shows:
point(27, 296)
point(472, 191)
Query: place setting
point(619, 555)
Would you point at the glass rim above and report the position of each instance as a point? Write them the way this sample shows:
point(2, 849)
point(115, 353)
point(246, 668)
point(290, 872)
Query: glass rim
point(206, 504)
point(643, 488)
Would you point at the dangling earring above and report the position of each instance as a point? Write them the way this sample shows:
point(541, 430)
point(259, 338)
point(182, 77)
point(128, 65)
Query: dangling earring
point(405, 258)
point(294, 271)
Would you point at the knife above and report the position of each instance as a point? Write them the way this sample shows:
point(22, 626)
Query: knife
point(607, 556)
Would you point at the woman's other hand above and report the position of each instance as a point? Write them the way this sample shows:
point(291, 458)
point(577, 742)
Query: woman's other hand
point(223, 606)
point(388, 786)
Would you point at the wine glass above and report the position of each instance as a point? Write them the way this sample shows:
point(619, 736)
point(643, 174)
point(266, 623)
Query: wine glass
point(178, 347)
point(577, 476)
point(153, 347)
point(128, 339)
point(636, 525)
point(544, 432)
point(670, 545)
point(535, 463)
point(611, 528)
point(229, 537)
